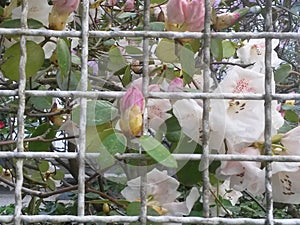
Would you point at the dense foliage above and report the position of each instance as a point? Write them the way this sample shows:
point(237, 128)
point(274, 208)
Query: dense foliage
point(117, 126)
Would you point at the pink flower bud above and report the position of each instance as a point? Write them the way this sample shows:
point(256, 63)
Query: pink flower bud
point(65, 6)
point(129, 5)
point(112, 2)
point(60, 13)
point(175, 85)
point(132, 107)
point(185, 15)
point(132, 97)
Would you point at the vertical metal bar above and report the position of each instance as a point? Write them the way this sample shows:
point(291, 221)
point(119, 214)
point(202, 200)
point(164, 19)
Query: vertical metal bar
point(143, 184)
point(268, 114)
point(20, 118)
point(206, 105)
point(83, 106)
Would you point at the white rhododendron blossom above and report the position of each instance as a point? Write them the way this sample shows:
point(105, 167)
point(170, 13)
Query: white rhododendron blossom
point(291, 141)
point(189, 115)
point(244, 175)
point(253, 52)
point(285, 182)
point(226, 192)
point(37, 9)
point(161, 194)
point(243, 119)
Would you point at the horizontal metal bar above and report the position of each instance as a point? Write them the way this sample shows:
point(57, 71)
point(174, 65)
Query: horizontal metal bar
point(219, 157)
point(36, 155)
point(170, 95)
point(158, 219)
point(149, 34)
point(180, 157)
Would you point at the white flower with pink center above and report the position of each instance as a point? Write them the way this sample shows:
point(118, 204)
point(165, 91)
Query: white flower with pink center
point(243, 119)
point(253, 52)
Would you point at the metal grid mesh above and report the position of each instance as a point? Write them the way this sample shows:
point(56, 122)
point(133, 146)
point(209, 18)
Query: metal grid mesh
point(84, 34)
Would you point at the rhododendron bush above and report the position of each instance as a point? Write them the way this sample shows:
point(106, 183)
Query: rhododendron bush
point(159, 127)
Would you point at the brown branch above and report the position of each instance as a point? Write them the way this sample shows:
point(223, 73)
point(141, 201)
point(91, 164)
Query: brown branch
point(233, 64)
point(103, 195)
point(62, 190)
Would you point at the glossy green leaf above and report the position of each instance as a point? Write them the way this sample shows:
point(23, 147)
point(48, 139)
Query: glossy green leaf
point(291, 116)
point(157, 151)
point(16, 23)
point(127, 77)
point(115, 143)
point(98, 112)
point(58, 175)
point(35, 60)
point(167, 51)
point(187, 62)
point(228, 49)
point(48, 132)
point(216, 48)
point(173, 133)
point(63, 57)
point(43, 166)
point(282, 72)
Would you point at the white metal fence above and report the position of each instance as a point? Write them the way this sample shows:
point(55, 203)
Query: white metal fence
point(83, 94)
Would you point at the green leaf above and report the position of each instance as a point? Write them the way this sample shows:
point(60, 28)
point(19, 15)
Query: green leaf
point(35, 60)
point(282, 72)
point(50, 184)
point(132, 50)
point(115, 143)
point(63, 57)
point(166, 51)
point(98, 112)
point(134, 209)
point(157, 151)
point(157, 26)
point(39, 102)
point(187, 62)
point(16, 23)
point(116, 60)
point(126, 15)
point(291, 116)
point(173, 133)
point(228, 49)
point(43, 166)
point(70, 82)
point(127, 77)
point(157, 1)
point(45, 129)
point(216, 48)
point(59, 175)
